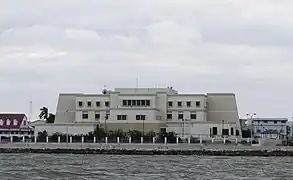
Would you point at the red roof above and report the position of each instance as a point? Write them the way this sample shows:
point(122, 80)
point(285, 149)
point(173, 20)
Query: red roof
point(11, 121)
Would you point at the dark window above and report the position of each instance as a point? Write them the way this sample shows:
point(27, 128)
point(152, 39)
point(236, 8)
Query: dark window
point(97, 115)
point(98, 104)
point(169, 116)
point(215, 131)
point(128, 102)
point(148, 103)
point(143, 102)
point(85, 115)
point(133, 102)
point(80, 103)
point(225, 132)
point(138, 102)
point(188, 103)
point(140, 117)
point(193, 116)
point(232, 131)
point(197, 103)
point(163, 130)
point(258, 131)
point(179, 104)
point(180, 115)
point(121, 117)
point(265, 121)
point(275, 122)
point(170, 103)
point(89, 104)
point(107, 103)
point(124, 103)
point(283, 121)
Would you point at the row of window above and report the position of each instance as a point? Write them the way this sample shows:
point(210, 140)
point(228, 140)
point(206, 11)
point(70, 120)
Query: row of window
point(180, 115)
point(136, 103)
point(275, 122)
point(89, 104)
point(8, 122)
point(85, 115)
point(180, 103)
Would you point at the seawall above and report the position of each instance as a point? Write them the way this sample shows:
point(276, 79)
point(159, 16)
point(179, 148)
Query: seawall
point(201, 152)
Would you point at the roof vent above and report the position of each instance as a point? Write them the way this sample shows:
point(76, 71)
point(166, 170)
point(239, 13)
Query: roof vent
point(105, 91)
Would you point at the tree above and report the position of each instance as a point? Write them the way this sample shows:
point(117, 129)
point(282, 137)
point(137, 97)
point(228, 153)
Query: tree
point(45, 115)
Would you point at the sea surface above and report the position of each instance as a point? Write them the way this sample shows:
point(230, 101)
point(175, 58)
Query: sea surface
point(112, 167)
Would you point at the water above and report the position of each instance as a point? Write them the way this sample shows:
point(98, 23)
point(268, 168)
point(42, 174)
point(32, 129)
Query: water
point(87, 167)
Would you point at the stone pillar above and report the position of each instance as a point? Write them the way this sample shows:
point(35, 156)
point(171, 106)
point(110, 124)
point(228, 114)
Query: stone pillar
point(189, 140)
point(11, 139)
point(35, 139)
point(82, 139)
point(70, 139)
point(94, 139)
point(177, 140)
point(23, 139)
point(106, 140)
point(224, 140)
point(200, 140)
point(47, 139)
point(118, 140)
point(129, 139)
point(141, 140)
point(236, 141)
point(59, 139)
point(212, 140)
point(154, 140)
point(165, 140)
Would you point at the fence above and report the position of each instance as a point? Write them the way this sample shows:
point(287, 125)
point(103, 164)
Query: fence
point(129, 140)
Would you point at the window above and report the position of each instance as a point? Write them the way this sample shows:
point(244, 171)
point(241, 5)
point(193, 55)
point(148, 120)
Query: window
point(148, 103)
point(169, 115)
point(8, 122)
point(80, 103)
point(180, 115)
point(193, 115)
point(188, 103)
point(179, 104)
point(138, 103)
point(107, 103)
point(97, 115)
point(121, 117)
point(215, 131)
point(163, 130)
point(128, 102)
point(15, 122)
point(225, 132)
point(197, 103)
point(140, 117)
point(124, 103)
point(275, 122)
point(232, 131)
point(85, 115)
point(98, 104)
point(170, 103)
point(265, 121)
point(143, 102)
point(89, 104)
point(258, 131)
point(1, 122)
point(237, 132)
point(133, 102)
point(283, 121)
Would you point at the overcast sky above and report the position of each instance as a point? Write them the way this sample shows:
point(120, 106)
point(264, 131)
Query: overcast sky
point(240, 46)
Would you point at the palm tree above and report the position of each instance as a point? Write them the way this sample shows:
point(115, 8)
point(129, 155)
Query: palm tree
point(45, 115)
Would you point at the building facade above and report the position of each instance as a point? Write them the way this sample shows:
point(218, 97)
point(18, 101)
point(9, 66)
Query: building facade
point(147, 109)
point(270, 128)
point(14, 125)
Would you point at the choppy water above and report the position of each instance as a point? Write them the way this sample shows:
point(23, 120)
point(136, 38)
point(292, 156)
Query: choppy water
point(49, 166)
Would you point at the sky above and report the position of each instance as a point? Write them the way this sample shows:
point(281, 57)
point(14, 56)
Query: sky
point(67, 46)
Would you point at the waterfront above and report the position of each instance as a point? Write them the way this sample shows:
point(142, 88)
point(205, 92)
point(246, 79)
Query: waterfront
point(87, 167)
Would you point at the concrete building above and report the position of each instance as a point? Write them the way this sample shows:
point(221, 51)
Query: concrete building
point(270, 128)
point(147, 109)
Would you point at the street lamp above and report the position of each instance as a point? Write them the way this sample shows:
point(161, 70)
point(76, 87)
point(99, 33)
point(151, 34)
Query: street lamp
point(250, 116)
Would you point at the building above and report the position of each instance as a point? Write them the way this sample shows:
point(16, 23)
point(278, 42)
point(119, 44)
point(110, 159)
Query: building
point(270, 128)
point(147, 109)
point(14, 125)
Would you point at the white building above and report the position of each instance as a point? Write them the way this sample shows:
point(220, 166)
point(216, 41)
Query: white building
point(270, 128)
point(147, 109)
